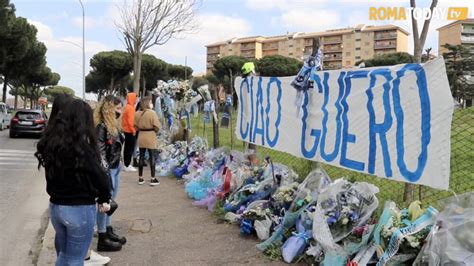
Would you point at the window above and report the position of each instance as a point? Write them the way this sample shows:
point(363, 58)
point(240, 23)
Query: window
point(357, 48)
point(358, 40)
point(291, 45)
point(230, 49)
point(290, 54)
point(357, 57)
point(348, 63)
point(348, 53)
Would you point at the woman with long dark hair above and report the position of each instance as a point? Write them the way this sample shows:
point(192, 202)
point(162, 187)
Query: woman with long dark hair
point(74, 179)
point(110, 139)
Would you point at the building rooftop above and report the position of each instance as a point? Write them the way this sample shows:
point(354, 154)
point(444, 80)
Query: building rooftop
point(299, 35)
point(466, 21)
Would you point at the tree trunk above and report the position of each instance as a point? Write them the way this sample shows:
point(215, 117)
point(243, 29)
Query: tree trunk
point(137, 66)
point(111, 90)
point(5, 84)
point(419, 43)
point(31, 103)
point(16, 101)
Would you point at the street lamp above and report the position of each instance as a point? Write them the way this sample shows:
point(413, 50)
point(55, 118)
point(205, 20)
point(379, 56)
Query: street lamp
point(83, 54)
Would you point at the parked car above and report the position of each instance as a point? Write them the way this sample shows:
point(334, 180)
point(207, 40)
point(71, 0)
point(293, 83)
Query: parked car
point(28, 122)
point(4, 116)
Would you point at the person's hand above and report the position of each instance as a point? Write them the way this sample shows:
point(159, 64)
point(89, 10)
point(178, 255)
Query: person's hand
point(104, 207)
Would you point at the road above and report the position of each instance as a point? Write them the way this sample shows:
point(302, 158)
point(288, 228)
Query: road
point(23, 201)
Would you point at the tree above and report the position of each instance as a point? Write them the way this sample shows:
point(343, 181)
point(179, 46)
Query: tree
point(97, 83)
point(226, 67)
point(148, 23)
point(52, 92)
point(388, 59)
point(153, 69)
point(419, 40)
point(39, 81)
point(18, 37)
point(179, 72)
point(426, 57)
point(198, 82)
point(112, 65)
point(278, 66)
point(460, 66)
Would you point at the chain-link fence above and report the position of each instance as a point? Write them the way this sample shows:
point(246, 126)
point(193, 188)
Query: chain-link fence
point(462, 161)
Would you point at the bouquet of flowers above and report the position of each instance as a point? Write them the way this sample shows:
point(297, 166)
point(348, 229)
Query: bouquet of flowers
point(306, 194)
point(297, 243)
point(283, 197)
point(254, 218)
point(399, 235)
point(451, 240)
point(342, 207)
point(200, 187)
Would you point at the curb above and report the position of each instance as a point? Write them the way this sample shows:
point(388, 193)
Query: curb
point(47, 255)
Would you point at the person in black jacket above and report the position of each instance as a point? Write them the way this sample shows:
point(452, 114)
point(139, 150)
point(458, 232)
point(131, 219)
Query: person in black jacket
point(110, 139)
point(75, 180)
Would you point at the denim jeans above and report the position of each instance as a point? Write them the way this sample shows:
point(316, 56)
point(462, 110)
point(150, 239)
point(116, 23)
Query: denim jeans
point(103, 220)
point(74, 226)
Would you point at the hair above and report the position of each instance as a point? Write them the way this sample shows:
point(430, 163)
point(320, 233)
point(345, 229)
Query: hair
point(59, 104)
point(145, 103)
point(69, 139)
point(105, 113)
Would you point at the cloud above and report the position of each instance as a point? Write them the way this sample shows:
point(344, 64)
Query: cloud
point(282, 4)
point(64, 55)
point(213, 28)
point(309, 20)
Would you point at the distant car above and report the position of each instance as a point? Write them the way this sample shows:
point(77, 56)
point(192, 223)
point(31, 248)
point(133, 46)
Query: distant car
point(4, 116)
point(28, 122)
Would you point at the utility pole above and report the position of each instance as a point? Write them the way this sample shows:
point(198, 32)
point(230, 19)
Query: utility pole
point(83, 53)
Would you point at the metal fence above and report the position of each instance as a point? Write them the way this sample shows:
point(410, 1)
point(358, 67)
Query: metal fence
point(462, 161)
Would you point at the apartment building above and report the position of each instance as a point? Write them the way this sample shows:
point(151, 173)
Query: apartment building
point(460, 32)
point(341, 47)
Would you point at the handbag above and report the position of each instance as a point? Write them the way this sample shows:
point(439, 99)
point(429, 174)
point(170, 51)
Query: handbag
point(113, 207)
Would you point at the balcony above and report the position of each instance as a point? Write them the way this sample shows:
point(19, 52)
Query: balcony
point(212, 57)
point(332, 66)
point(385, 45)
point(270, 47)
point(332, 48)
point(385, 35)
point(248, 54)
point(332, 40)
point(249, 46)
point(269, 52)
point(333, 57)
point(212, 50)
point(467, 39)
point(468, 31)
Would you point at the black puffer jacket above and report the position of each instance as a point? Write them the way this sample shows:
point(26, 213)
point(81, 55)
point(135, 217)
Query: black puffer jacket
point(110, 147)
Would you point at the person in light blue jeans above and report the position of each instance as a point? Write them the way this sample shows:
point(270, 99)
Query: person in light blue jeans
point(75, 179)
point(110, 140)
point(74, 226)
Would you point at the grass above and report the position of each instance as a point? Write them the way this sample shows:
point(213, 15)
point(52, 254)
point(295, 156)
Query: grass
point(462, 157)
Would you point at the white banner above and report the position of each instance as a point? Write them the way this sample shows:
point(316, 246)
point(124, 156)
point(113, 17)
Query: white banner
point(392, 122)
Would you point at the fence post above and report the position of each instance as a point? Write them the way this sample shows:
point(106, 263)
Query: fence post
point(215, 123)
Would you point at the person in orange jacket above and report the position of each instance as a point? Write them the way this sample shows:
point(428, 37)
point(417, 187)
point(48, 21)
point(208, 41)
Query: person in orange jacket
point(128, 125)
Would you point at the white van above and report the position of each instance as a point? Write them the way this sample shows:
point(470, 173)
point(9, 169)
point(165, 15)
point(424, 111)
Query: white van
point(5, 117)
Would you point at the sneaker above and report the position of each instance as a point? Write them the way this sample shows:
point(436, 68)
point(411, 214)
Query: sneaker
point(96, 259)
point(129, 169)
point(141, 181)
point(154, 182)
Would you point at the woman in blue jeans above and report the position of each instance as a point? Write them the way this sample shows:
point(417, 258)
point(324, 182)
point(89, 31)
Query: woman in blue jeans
point(110, 139)
point(75, 180)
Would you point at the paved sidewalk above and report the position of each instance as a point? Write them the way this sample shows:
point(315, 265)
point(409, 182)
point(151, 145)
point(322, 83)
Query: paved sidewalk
point(163, 228)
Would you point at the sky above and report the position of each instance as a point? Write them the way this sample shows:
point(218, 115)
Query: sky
point(59, 24)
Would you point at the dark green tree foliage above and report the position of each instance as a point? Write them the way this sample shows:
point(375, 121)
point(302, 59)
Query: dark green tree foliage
point(153, 69)
point(112, 66)
point(97, 83)
point(179, 72)
point(198, 82)
point(388, 59)
point(18, 38)
point(278, 66)
point(460, 71)
point(225, 67)
point(52, 92)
